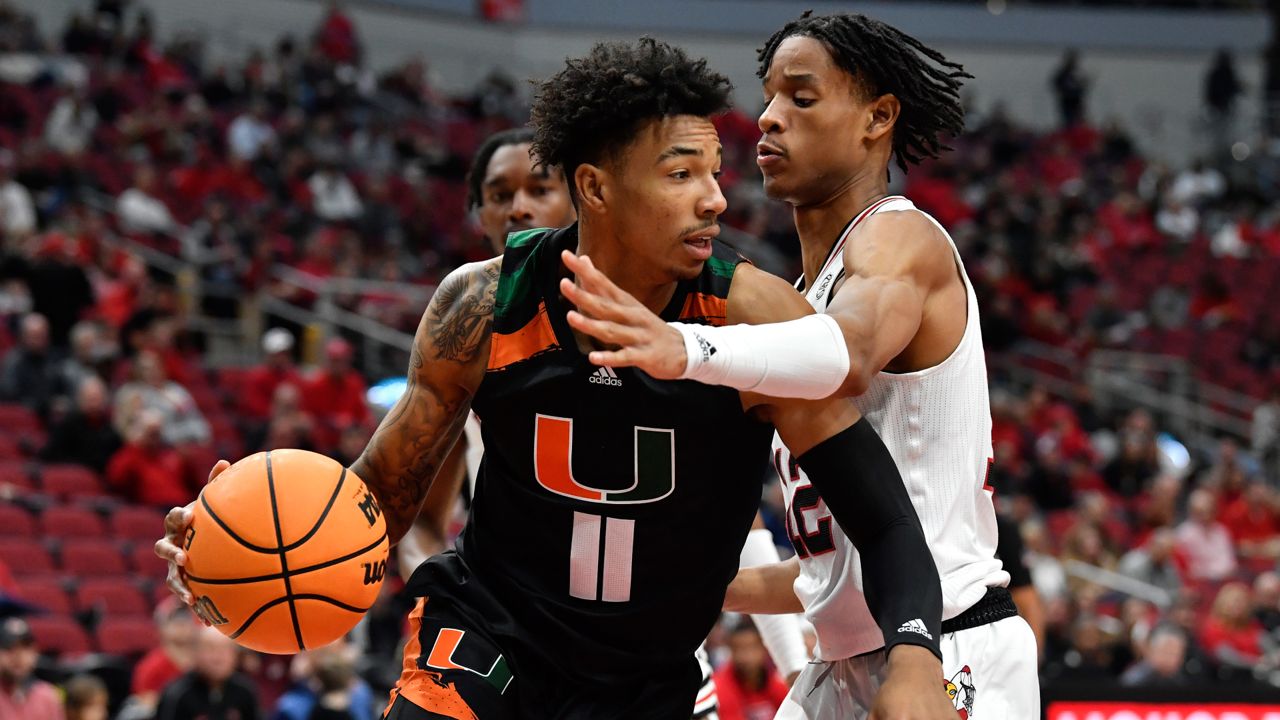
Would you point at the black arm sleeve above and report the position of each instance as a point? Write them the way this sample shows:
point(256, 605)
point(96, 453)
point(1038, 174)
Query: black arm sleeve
point(857, 478)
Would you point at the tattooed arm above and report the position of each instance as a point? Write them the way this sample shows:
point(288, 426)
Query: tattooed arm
point(450, 353)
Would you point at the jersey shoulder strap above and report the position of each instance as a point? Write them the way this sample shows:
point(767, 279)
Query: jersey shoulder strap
point(707, 300)
point(521, 329)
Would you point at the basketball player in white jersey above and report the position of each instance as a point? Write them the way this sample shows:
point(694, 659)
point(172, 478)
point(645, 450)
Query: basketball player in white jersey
point(897, 331)
point(508, 194)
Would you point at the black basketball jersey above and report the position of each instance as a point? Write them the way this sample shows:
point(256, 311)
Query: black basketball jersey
point(611, 507)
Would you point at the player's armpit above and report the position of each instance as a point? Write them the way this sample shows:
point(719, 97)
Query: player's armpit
point(765, 589)
point(450, 352)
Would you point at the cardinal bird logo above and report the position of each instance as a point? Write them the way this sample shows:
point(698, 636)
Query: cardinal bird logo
point(962, 692)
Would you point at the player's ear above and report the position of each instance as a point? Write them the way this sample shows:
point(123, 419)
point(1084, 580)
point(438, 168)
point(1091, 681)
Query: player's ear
point(884, 112)
point(589, 180)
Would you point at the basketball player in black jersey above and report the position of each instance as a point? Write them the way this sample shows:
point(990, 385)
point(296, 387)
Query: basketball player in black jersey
point(610, 514)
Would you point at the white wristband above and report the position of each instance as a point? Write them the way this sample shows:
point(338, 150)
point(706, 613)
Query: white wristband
point(780, 633)
point(805, 358)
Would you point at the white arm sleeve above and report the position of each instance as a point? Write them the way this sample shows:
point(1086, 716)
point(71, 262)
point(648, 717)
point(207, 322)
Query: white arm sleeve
point(805, 358)
point(780, 633)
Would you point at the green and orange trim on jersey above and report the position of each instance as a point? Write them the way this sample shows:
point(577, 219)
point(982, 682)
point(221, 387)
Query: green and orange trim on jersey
point(535, 338)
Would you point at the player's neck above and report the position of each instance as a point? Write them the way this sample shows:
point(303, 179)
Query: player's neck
point(819, 225)
point(610, 257)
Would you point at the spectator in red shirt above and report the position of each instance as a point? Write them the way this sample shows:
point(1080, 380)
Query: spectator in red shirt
point(147, 470)
point(1251, 520)
point(1231, 635)
point(336, 36)
point(334, 395)
point(166, 663)
point(261, 381)
point(748, 687)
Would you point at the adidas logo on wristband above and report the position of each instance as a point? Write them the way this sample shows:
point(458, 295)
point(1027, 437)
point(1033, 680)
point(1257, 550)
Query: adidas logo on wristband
point(707, 348)
point(915, 626)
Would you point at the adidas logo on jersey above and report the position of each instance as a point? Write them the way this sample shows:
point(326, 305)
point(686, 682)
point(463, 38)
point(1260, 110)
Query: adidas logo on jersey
point(915, 626)
point(605, 376)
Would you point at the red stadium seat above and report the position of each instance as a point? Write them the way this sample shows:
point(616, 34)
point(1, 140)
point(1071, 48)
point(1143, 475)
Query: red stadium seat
point(16, 419)
point(16, 521)
point(25, 556)
point(117, 596)
point(127, 636)
point(71, 481)
point(91, 558)
point(46, 592)
point(59, 634)
point(9, 447)
point(67, 521)
point(16, 474)
point(137, 523)
point(143, 560)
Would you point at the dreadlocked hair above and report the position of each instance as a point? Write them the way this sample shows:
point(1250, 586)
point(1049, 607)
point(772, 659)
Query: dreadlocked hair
point(592, 109)
point(887, 60)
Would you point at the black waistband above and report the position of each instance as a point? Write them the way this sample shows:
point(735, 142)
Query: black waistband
point(996, 605)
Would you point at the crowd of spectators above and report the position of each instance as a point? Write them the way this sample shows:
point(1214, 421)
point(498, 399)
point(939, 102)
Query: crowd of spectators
point(301, 155)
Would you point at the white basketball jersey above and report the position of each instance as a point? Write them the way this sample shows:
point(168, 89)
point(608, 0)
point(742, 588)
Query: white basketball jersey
point(937, 425)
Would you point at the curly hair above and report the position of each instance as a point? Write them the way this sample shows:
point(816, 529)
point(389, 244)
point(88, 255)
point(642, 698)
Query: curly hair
point(593, 108)
point(887, 60)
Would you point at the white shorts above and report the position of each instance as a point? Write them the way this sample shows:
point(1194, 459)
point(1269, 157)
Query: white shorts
point(990, 672)
point(707, 704)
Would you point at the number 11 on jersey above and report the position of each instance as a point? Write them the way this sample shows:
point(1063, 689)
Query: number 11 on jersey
point(597, 538)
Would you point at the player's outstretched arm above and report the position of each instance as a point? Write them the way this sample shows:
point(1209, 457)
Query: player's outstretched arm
point(858, 480)
point(450, 352)
point(896, 260)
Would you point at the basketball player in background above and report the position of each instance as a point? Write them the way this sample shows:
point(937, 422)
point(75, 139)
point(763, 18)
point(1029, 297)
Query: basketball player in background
point(507, 193)
point(599, 545)
point(898, 333)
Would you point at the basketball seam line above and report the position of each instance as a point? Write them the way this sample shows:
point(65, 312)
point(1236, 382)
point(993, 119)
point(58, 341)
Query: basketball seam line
point(315, 528)
point(232, 533)
point(322, 598)
point(284, 562)
point(299, 571)
point(272, 551)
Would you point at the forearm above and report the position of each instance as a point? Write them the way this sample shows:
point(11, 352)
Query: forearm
point(429, 533)
point(765, 590)
point(860, 484)
point(402, 458)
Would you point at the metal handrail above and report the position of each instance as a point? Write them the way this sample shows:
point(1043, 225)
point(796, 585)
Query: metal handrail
point(1118, 582)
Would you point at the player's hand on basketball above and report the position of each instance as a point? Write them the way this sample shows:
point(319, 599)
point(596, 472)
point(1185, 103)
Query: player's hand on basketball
point(169, 547)
point(914, 689)
point(613, 316)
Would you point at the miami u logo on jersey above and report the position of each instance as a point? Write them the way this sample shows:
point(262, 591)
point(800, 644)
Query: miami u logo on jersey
point(655, 471)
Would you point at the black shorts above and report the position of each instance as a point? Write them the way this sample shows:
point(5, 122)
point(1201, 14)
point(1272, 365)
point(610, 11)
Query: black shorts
point(464, 658)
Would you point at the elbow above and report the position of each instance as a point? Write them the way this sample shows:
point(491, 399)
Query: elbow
point(858, 380)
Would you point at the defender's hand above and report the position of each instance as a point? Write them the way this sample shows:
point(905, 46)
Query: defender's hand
point(614, 317)
point(914, 689)
point(169, 547)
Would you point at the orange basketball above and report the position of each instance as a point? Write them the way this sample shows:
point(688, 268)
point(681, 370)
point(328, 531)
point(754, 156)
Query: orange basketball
point(286, 551)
